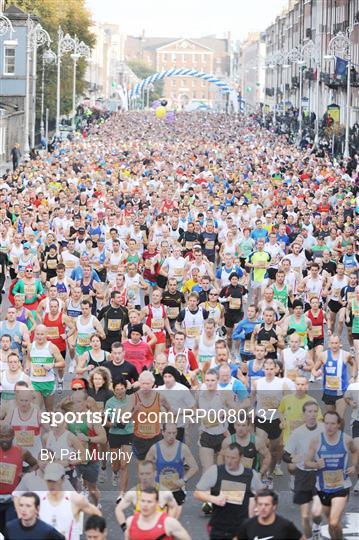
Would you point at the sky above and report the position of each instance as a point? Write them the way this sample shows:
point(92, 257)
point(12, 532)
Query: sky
point(187, 18)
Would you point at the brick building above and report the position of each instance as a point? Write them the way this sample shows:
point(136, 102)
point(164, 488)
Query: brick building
point(319, 20)
point(208, 54)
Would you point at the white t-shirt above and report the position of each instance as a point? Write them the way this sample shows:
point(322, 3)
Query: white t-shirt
point(178, 397)
point(299, 442)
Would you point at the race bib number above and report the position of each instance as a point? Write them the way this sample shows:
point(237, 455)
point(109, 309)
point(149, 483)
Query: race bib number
point(29, 290)
point(208, 423)
point(172, 312)
point(70, 264)
point(38, 371)
point(332, 382)
point(209, 244)
point(292, 374)
point(247, 346)
point(157, 324)
point(83, 340)
point(333, 479)
point(235, 303)
point(168, 480)
point(7, 473)
point(24, 438)
point(269, 346)
point(114, 325)
point(51, 264)
point(269, 402)
point(193, 331)
point(178, 272)
point(52, 332)
point(247, 462)
point(336, 293)
point(147, 429)
point(233, 491)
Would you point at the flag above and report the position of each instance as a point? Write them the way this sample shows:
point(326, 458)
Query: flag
point(341, 67)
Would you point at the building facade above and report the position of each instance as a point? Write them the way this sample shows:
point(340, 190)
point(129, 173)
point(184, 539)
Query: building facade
point(252, 73)
point(13, 65)
point(320, 21)
point(208, 54)
point(107, 74)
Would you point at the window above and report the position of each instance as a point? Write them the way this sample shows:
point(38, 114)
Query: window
point(9, 61)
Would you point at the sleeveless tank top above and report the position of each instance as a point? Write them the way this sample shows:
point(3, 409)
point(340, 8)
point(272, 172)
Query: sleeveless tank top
point(142, 427)
point(40, 356)
point(157, 531)
point(332, 477)
point(168, 472)
point(60, 516)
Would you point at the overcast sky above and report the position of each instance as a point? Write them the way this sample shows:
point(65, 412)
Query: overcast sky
point(187, 18)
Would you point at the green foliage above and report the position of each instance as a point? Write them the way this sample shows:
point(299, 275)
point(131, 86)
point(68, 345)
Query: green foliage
point(75, 19)
point(142, 71)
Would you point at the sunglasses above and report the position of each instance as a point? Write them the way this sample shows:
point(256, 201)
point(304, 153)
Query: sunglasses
point(213, 294)
point(78, 388)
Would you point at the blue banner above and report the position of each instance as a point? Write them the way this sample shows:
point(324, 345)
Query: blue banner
point(341, 67)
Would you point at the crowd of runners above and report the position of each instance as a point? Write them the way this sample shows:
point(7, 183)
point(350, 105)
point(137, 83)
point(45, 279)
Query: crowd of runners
point(203, 267)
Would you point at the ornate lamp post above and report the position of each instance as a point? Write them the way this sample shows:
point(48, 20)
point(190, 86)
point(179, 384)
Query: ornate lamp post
point(80, 50)
point(65, 44)
point(341, 45)
point(49, 57)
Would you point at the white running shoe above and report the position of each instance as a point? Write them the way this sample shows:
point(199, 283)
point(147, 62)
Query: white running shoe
point(115, 479)
point(72, 366)
point(278, 471)
point(102, 476)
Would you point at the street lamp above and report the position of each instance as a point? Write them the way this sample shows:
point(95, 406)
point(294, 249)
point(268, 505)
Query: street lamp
point(36, 37)
point(80, 50)
point(49, 57)
point(277, 59)
point(65, 44)
point(5, 25)
point(150, 88)
point(341, 45)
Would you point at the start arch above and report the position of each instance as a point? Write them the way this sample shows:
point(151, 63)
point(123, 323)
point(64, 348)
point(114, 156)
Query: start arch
point(178, 72)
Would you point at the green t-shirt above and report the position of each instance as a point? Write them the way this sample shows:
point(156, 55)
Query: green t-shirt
point(112, 405)
point(255, 257)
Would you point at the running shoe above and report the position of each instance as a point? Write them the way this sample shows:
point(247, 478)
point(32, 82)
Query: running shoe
point(311, 378)
point(102, 476)
point(356, 487)
point(278, 471)
point(268, 481)
point(72, 366)
point(115, 479)
point(60, 386)
point(316, 533)
point(291, 482)
point(207, 508)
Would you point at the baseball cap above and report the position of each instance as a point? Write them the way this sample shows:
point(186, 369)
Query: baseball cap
point(54, 471)
point(26, 245)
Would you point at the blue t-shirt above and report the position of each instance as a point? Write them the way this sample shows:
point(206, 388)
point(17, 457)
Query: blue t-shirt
point(14, 530)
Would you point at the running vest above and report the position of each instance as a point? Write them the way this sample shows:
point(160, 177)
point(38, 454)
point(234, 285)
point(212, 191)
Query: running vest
point(281, 295)
point(193, 323)
point(155, 533)
point(168, 472)
point(250, 456)
point(355, 313)
point(337, 286)
point(27, 432)
point(84, 332)
point(8, 387)
point(335, 376)
point(317, 323)
point(253, 375)
point(214, 422)
point(60, 516)
point(313, 288)
point(144, 429)
point(40, 356)
point(237, 488)
point(214, 312)
point(156, 318)
point(54, 329)
point(205, 352)
point(300, 328)
point(264, 336)
point(333, 476)
point(73, 311)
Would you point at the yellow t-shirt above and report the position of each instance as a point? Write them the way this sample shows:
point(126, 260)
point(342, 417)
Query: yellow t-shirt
point(291, 408)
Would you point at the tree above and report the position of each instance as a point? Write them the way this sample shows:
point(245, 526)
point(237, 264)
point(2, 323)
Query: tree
point(142, 71)
point(74, 18)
